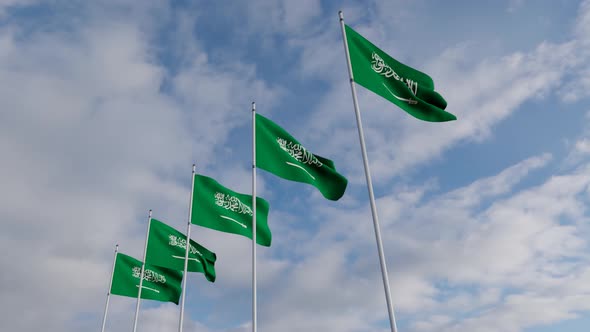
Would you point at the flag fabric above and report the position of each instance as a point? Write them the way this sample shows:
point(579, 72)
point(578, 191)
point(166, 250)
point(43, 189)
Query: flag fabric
point(279, 153)
point(217, 207)
point(167, 248)
point(408, 88)
point(159, 284)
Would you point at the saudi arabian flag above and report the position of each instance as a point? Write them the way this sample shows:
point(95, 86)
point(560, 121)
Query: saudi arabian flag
point(160, 284)
point(167, 248)
point(216, 207)
point(404, 86)
point(281, 154)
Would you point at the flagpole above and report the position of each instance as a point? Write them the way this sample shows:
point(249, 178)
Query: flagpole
point(369, 183)
point(254, 313)
point(106, 307)
point(188, 241)
point(142, 271)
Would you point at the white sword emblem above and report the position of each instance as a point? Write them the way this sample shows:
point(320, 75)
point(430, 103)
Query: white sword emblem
point(409, 101)
point(154, 290)
point(295, 165)
point(232, 219)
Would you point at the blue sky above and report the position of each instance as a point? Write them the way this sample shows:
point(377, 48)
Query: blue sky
point(105, 105)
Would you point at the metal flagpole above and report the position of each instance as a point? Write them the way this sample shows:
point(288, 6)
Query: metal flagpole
point(142, 270)
point(254, 313)
point(369, 183)
point(188, 244)
point(106, 307)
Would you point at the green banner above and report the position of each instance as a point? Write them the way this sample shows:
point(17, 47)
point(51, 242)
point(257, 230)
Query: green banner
point(217, 207)
point(167, 248)
point(279, 153)
point(159, 284)
point(408, 88)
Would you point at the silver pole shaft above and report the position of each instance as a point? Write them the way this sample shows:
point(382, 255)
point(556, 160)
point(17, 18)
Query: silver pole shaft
point(188, 244)
point(106, 307)
point(254, 313)
point(142, 270)
point(369, 183)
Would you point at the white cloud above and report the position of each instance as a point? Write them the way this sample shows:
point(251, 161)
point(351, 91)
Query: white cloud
point(578, 86)
point(582, 25)
point(521, 242)
point(514, 5)
point(579, 149)
point(481, 94)
point(89, 142)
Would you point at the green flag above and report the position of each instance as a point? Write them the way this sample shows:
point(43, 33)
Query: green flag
point(281, 154)
point(408, 88)
point(167, 248)
point(160, 284)
point(219, 208)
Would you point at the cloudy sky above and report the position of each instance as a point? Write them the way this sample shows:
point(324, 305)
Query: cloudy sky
point(105, 105)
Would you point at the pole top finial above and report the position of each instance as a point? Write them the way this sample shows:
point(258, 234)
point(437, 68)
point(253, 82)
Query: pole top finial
point(150, 213)
point(340, 15)
point(253, 106)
